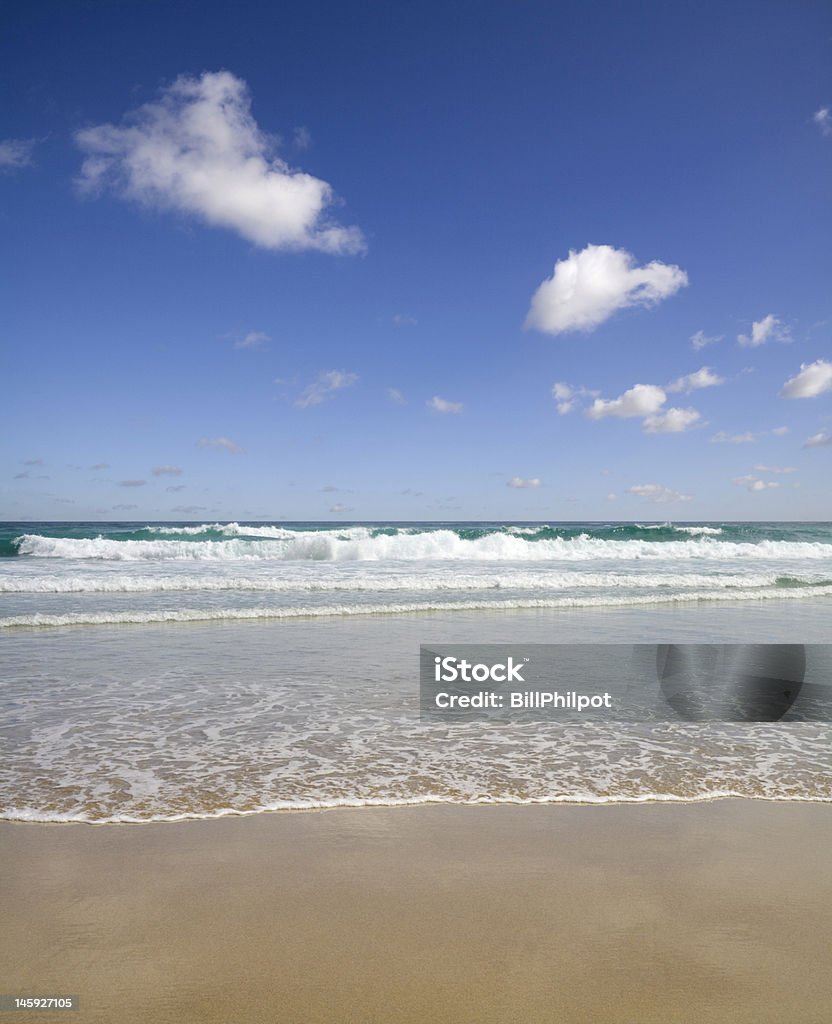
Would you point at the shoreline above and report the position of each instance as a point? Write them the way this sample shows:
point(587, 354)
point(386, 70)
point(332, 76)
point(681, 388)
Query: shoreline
point(701, 911)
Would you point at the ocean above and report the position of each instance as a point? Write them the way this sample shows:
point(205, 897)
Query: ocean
point(167, 670)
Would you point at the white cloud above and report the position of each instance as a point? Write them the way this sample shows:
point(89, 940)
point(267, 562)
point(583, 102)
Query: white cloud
point(752, 483)
point(780, 431)
point(566, 396)
point(823, 119)
point(820, 440)
point(199, 150)
point(325, 387)
point(521, 484)
point(253, 339)
point(167, 471)
point(338, 509)
point(672, 421)
point(767, 329)
point(813, 379)
point(396, 396)
point(222, 443)
point(775, 469)
point(700, 340)
point(658, 494)
point(589, 286)
point(612, 496)
point(132, 483)
point(704, 378)
point(723, 437)
point(16, 153)
point(640, 400)
point(443, 405)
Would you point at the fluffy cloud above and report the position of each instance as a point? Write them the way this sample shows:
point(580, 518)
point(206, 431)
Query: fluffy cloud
point(820, 440)
point(589, 286)
point(325, 387)
point(767, 329)
point(752, 483)
point(673, 421)
point(658, 494)
point(823, 119)
point(521, 484)
point(700, 340)
point(640, 400)
point(704, 378)
point(167, 471)
point(813, 379)
point(443, 405)
point(222, 443)
point(16, 153)
point(199, 150)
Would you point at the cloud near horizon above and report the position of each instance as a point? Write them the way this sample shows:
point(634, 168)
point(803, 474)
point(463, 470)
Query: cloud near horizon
point(199, 151)
point(589, 286)
point(222, 443)
point(657, 493)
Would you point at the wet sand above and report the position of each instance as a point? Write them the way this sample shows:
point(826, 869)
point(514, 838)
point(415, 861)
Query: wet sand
point(643, 914)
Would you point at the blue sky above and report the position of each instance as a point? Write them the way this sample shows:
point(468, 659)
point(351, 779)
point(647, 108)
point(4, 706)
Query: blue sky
point(330, 261)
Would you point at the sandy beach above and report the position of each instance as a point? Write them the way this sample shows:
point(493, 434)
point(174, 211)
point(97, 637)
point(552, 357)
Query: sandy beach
point(705, 912)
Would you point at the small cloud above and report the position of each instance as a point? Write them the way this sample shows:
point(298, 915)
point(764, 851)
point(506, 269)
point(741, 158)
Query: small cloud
point(222, 443)
point(521, 484)
point(752, 483)
point(589, 286)
point(566, 396)
point(657, 493)
point(329, 489)
point(22, 476)
point(396, 396)
point(672, 421)
point(167, 471)
point(189, 510)
point(780, 431)
point(820, 440)
point(812, 380)
point(99, 466)
point(199, 151)
point(325, 387)
point(16, 153)
point(700, 340)
point(704, 378)
point(132, 483)
point(640, 400)
point(404, 320)
point(823, 119)
point(123, 508)
point(253, 339)
point(612, 496)
point(723, 437)
point(65, 501)
point(338, 509)
point(775, 469)
point(302, 139)
point(409, 492)
point(33, 462)
point(444, 406)
point(175, 488)
point(770, 328)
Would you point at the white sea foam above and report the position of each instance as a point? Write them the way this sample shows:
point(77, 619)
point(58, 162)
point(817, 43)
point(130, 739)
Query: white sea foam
point(402, 608)
point(358, 544)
